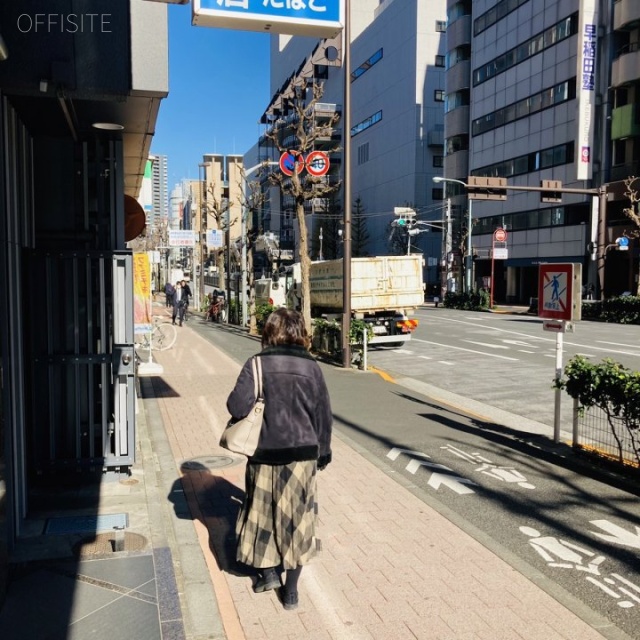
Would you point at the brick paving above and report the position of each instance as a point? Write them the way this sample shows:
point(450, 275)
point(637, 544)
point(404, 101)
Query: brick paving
point(391, 567)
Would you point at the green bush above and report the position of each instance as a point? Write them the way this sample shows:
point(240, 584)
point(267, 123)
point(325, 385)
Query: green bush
point(478, 300)
point(622, 310)
point(609, 386)
point(262, 313)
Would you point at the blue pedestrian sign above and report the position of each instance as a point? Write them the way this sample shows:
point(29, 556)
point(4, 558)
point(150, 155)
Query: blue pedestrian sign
point(315, 18)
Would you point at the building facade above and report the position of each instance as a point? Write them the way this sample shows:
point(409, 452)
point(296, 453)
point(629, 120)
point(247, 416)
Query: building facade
point(76, 123)
point(397, 123)
point(529, 98)
point(160, 188)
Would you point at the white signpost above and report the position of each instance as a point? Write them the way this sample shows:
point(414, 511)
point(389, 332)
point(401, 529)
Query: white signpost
point(559, 304)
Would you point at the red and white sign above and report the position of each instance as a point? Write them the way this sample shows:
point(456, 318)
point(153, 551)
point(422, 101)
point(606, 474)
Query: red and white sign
point(500, 235)
point(317, 163)
point(555, 291)
point(290, 162)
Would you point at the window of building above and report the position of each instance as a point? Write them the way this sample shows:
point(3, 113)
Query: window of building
point(459, 10)
point(441, 26)
point(551, 36)
point(437, 193)
point(365, 66)
point(440, 61)
point(458, 54)
point(321, 71)
point(438, 95)
point(456, 99)
point(363, 153)
point(366, 123)
point(438, 161)
point(456, 143)
point(497, 12)
point(545, 158)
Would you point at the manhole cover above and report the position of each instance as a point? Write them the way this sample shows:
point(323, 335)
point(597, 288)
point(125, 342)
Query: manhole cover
point(209, 462)
point(104, 544)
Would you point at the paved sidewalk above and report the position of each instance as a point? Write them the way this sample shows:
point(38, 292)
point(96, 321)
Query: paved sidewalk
point(391, 566)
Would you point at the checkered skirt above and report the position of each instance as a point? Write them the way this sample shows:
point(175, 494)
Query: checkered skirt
point(277, 522)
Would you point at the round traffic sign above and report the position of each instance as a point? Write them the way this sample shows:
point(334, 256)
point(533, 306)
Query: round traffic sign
point(317, 163)
point(288, 163)
point(500, 235)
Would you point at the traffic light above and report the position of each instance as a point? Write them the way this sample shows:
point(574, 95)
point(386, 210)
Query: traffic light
point(486, 188)
point(552, 191)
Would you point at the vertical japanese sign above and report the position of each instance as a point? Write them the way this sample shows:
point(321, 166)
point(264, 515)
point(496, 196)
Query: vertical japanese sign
point(586, 86)
point(141, 293)
point(316, 18)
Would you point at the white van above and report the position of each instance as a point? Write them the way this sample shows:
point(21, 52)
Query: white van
point(270, 291)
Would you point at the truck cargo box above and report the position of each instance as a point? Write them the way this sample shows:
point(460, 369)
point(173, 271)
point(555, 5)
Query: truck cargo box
point(377, 283)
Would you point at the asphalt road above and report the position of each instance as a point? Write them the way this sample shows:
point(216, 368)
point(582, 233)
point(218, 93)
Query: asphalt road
point(495, 474)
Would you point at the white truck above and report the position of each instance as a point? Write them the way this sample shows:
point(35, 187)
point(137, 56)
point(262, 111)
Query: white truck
point(385, 291)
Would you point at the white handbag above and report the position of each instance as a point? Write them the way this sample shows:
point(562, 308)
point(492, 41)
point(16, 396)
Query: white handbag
point(242, 436)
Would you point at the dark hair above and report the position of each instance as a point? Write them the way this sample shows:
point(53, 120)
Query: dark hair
point(285, 326)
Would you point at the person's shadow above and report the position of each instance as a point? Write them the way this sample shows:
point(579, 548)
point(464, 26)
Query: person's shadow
point(202, 495)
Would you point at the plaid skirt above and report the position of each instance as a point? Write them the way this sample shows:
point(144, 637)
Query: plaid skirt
point(276, 524)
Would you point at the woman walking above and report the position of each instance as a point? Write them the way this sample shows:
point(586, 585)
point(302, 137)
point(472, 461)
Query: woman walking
point(276, 525)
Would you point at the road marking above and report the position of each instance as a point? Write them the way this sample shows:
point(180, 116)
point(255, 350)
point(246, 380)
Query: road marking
point(491, 345)
point(414, 465)
point(482, 353)
point(525, 351)
point(455, 483)
point(445, 362)
point(409, 353)
point(396, 451)
point(618, 534)
point(517, 343)
point(425, 357)
point(617, 344)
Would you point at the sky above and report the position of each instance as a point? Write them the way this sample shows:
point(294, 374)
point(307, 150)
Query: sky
point(218, 90)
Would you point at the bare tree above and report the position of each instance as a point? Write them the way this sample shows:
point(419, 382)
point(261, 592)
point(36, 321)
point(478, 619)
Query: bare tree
point(220, 211)
point(633, 213)
point(304, 188)
point(250, 200)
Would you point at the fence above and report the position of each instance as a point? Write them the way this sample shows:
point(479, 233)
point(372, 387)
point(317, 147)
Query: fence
point(605, 435)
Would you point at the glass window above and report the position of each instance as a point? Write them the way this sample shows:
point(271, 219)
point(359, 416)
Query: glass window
point(441, 26)
point(440, 61)
point(438, 95)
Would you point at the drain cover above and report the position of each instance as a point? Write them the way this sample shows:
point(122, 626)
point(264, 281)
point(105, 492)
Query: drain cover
point(86, 524)
point(104, 544)
point(209, 462)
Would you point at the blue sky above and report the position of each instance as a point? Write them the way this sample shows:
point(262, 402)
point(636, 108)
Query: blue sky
point(218, 89)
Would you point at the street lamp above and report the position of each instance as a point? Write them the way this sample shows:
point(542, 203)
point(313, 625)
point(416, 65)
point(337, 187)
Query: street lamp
point(468, 260)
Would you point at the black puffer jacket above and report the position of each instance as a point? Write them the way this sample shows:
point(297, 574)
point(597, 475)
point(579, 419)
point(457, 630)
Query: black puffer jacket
point(297, 417)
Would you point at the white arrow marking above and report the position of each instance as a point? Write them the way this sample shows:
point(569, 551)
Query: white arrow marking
point(519, 343)
point(618, 534)
point(414, 465)
point(454, 483)
point(395, 452)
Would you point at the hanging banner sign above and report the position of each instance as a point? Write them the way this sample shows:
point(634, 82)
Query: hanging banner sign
point(315, 18)
point(182, 238)
point(586, 87)
point(141, 293)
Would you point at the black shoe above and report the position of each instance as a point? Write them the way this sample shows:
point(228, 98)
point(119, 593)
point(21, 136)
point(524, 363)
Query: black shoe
point(173, 322)
point(267, 581)
point(289, 599)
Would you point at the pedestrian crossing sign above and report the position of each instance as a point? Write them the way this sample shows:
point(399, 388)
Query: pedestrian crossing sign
point(558, 291)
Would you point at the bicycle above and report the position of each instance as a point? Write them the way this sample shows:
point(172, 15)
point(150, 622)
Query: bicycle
point(163, 336)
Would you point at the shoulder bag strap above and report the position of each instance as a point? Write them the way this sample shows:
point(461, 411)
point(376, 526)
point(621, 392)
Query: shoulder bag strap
point(257, 374)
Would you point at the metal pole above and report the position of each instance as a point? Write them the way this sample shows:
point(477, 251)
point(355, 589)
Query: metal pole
point(346, 128)
point(448, 245)
point(243, 264)
point(468, 258)
point(556, 413)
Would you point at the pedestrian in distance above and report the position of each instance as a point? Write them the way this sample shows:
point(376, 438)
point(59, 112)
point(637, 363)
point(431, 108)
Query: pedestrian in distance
point(169, 290)
point(186, 295)
point(178, 304)
point(276, 526)
point(590, 291)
